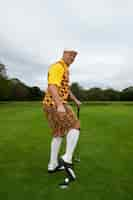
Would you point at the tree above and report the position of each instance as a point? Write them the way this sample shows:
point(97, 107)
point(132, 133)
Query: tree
point(36, 93)
point(127, 94)
point(3, 72)
point(111, 95)
point(75, 88)
point(95, 94)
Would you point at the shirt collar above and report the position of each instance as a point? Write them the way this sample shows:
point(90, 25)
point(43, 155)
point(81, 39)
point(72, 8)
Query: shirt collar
point(64, 64)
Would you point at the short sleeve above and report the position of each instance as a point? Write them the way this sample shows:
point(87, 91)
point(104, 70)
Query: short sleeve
point(55, 74)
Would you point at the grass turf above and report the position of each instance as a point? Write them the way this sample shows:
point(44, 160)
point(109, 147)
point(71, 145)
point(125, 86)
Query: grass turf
point(106, 148)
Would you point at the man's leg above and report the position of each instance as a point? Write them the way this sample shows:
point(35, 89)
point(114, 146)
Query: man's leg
point(55, 147)
point(71, 142)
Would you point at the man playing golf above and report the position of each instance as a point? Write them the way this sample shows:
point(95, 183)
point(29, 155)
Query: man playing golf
point(60, 115)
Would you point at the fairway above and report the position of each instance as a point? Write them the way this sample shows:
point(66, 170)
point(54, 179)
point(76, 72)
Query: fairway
point(106, 151)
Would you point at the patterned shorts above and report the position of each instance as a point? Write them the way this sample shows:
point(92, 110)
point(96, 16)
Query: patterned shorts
point(60, 124)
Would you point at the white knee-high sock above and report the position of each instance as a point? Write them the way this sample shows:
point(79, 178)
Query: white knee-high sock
point(55, 146)
point(71, 142)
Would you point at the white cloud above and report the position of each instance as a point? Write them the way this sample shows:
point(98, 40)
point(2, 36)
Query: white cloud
point(33, 34)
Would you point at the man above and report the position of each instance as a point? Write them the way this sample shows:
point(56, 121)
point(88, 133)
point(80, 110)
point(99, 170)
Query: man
point(60, 116)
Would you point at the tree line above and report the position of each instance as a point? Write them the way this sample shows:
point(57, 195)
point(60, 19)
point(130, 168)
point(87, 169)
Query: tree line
point(15, 90)
point(98, 94)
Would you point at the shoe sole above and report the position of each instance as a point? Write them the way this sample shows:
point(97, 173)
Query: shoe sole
point(55, 170)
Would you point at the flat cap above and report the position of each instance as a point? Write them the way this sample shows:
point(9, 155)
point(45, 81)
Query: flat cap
point(71, 51)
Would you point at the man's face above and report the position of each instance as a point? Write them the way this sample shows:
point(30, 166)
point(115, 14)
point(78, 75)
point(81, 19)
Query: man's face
point(69, 57)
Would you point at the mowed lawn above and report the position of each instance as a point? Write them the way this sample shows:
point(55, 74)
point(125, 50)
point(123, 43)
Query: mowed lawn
point(106, 151)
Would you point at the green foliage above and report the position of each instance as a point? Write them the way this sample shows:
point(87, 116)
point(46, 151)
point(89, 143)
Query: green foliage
point(98, 94)
point(127, 93)
point(5, 89)
point(16, 90)
point(36, 93)
point(111, 95)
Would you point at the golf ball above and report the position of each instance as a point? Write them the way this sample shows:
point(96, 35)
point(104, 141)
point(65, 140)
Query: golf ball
point(66, 180)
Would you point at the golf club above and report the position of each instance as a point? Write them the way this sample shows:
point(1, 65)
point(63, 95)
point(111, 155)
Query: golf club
point(77, 154)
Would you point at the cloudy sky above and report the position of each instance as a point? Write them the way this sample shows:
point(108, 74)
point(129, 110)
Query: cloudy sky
point(33, 34)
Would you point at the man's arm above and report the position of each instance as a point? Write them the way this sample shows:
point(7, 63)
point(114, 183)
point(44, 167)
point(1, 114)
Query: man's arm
point(73, 97)
point(55, 74)
point(54, 92)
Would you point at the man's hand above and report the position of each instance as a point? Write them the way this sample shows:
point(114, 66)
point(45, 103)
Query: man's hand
point(61, 112)
point(78, 103)
point(61, 108)
point(72, 96)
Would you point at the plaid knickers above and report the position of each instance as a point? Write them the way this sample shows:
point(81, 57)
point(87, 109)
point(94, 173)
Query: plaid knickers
point(60, 124)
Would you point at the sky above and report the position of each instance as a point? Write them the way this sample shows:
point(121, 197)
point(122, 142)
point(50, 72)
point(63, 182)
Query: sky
point(33, 35)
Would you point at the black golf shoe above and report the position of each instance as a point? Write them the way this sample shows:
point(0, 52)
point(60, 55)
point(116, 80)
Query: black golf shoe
point(56, 169)
point(68, 168)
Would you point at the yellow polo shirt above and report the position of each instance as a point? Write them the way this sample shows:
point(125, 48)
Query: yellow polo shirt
point(55, 74)
point(58, 75)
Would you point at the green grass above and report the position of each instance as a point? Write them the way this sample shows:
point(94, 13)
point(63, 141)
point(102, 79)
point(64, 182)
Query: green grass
point(106, 150)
